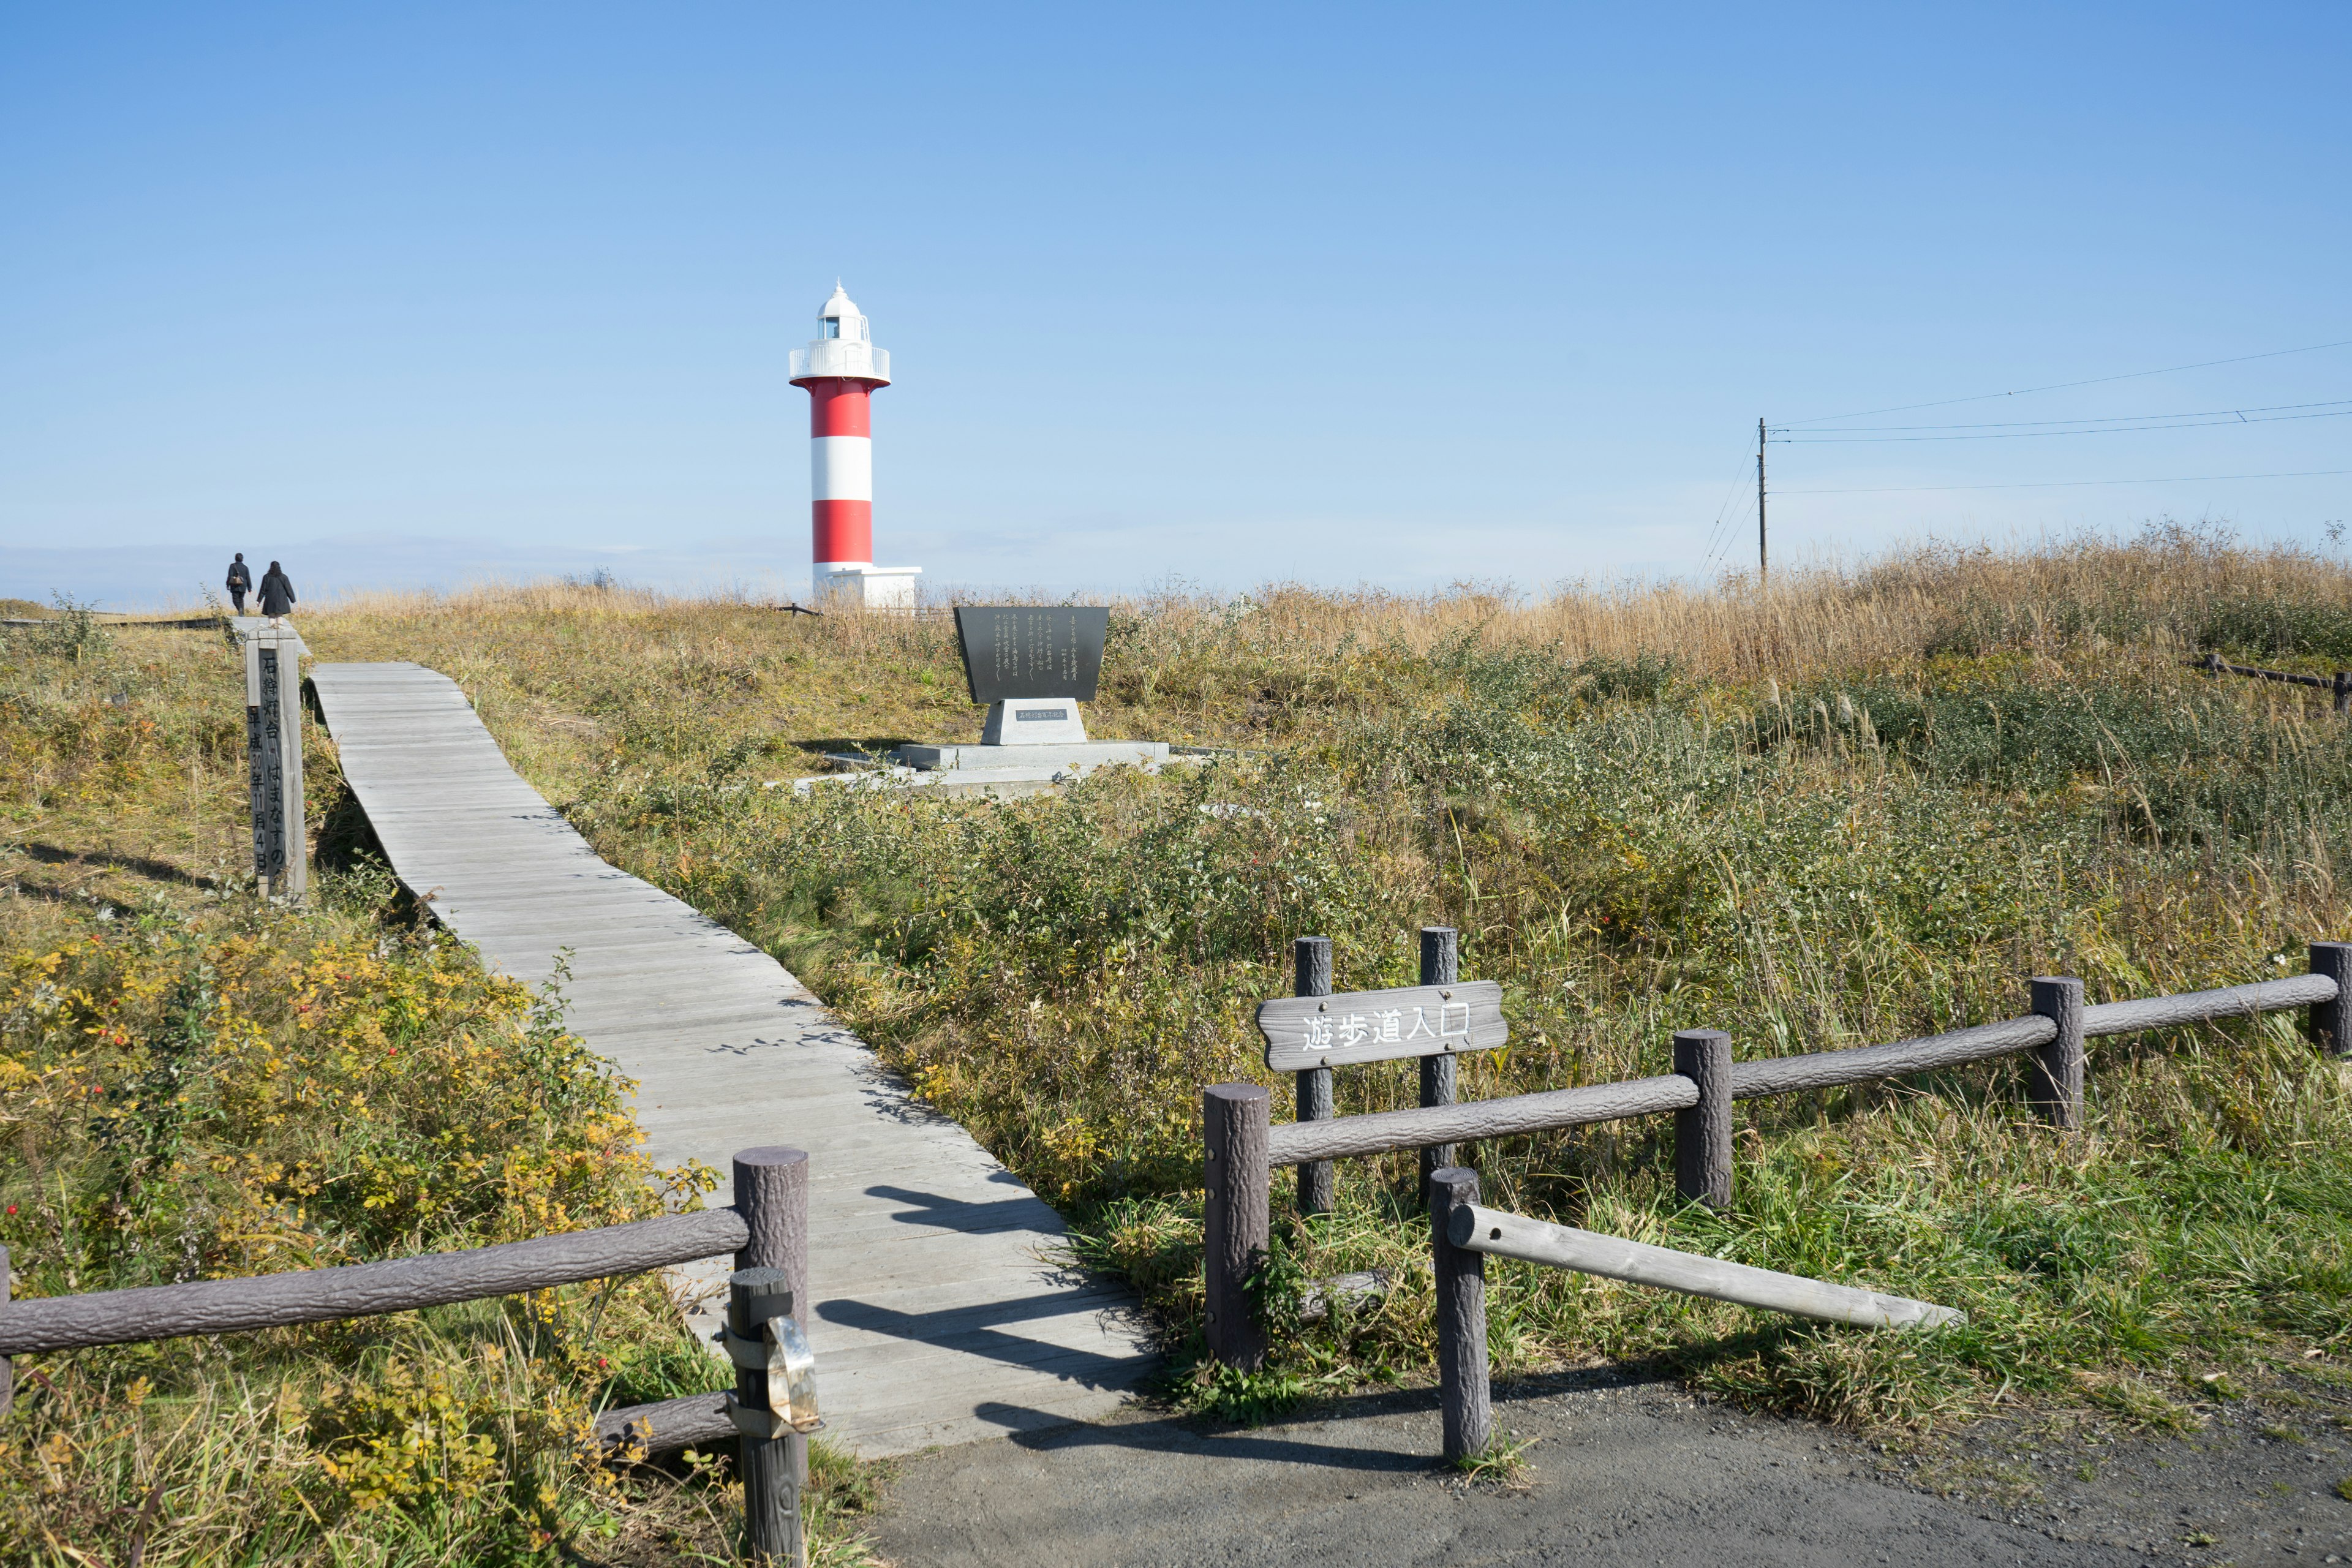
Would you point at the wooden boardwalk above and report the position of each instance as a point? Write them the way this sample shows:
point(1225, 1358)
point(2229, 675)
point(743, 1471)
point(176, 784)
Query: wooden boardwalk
point(935, 1320)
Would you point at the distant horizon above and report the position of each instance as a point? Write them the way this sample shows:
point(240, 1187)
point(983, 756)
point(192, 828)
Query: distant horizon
point(126, 580)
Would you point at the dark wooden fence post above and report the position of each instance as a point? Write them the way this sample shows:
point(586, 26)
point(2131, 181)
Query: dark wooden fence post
point(1318, 1181)
point(1703, 1132)
point(1440, 964)
point(2342, 686)
point(2056, 1089)
point(1462, 1390)
point(772, 1491)
point(1236, 1222)
point(771, 1195)
point(7, 1367)
point(2333, 959)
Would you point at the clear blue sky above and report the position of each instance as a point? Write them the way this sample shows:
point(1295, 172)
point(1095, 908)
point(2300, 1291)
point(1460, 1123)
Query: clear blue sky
point(1341, 293)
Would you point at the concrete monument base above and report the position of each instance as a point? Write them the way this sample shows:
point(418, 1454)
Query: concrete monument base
point(1046, 759)
point(1033, 722)
point(1040, 737)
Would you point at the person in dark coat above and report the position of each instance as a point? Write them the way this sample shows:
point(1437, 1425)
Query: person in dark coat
point(277, 592)
point(240, 582)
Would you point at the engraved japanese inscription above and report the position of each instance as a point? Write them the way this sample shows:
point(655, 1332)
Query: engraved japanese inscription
point(1304, 1032)
point(1012, 652)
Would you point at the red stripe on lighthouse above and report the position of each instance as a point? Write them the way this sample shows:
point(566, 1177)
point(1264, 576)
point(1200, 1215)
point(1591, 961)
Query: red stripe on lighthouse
point(844, 531)
point(840, 407)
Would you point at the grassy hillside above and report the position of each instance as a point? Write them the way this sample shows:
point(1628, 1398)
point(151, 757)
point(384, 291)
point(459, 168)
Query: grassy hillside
point(1858, 807)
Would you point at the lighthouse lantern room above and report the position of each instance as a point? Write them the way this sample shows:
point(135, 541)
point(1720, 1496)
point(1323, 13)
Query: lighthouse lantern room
point(841, 368)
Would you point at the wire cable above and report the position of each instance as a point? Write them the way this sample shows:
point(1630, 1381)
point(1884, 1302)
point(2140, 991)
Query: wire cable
point(2062, 385)
point(1733, 531)
point(2063, 484)
point(2106, 419)
point(2177, 424)
point(1716, 532)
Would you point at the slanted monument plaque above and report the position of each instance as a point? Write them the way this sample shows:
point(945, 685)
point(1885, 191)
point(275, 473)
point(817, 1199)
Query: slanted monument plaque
point(1012, 652)
point(1032, 665)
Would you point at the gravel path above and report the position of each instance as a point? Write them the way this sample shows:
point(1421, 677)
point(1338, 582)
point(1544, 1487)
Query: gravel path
point(1620, 1471)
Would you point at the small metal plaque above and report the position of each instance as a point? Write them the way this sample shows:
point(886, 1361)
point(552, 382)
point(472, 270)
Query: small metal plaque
point(782, 1353)
point(1011, 651)
point(1032, 715)
point(1304, 1032)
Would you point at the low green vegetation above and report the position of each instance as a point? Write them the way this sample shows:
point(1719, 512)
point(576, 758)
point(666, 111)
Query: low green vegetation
point(1858, 807)
point(1861, 807)
point(196, 1083)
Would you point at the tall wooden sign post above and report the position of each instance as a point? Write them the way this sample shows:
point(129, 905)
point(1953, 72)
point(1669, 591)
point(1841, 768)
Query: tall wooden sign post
point(273, 747)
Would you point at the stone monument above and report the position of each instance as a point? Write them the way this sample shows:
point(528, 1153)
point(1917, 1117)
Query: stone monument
point(1033, 666)
point(273, 747)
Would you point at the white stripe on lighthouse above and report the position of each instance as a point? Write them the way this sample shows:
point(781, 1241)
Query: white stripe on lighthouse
point(842, 468)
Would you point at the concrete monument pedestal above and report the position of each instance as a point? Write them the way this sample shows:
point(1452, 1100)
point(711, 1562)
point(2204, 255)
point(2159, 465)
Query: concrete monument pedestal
point(1032, 733)
point(1032, 665)
point(967, 758)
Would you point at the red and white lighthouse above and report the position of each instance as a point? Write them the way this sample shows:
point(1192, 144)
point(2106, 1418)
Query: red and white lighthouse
point(842, 368)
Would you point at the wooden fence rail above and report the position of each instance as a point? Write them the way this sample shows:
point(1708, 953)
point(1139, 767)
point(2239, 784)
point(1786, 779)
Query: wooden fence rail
point(1502, 1235)
point(363, 1289)
point(1242, 1147)
point(1464, 1233)
point(767, 1230)
point(1552, 1109)
point(2340, 683)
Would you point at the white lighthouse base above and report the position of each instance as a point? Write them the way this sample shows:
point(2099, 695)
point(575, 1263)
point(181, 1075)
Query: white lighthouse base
point(855, 585)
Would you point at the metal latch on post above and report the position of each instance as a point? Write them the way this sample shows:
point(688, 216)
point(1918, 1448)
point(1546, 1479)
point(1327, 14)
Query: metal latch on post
point(782, 1353)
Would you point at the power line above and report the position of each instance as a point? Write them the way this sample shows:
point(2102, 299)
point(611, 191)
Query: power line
point(2062, 385)
point(2178, 422)
point(1734, 529)
point(2066, 484)
point(1716, 534)
point(2108, 420)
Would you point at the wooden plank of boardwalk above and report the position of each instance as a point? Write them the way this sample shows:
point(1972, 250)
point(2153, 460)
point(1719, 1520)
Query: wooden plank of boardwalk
point(936, 1318)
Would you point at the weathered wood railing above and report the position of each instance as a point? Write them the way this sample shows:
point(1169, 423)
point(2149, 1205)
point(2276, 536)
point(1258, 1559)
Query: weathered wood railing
point(766, 1229)
point(1463, 1234)
point(2340, 683)
point(1241, 1147)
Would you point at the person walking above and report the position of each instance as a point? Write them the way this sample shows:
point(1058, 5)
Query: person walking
point(276, 592)
point(240, 582)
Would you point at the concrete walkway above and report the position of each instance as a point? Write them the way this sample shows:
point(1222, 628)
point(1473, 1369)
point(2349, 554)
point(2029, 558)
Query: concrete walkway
point(936, 1319)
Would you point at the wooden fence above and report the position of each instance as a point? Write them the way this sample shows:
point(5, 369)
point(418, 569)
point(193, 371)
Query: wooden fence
point(2340, 683)
point(1463, 1234)
point(1241, 1147)
point(772, 1407)
point(184, 623)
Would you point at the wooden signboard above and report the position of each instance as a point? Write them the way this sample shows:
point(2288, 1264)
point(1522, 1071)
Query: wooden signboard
point(1304, 1032)
point(1015, 651)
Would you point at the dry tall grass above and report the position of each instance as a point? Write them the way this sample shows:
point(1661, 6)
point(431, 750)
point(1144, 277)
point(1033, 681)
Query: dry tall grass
point(2158, 591)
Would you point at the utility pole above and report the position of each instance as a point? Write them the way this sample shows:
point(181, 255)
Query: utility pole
point(1761, 561)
